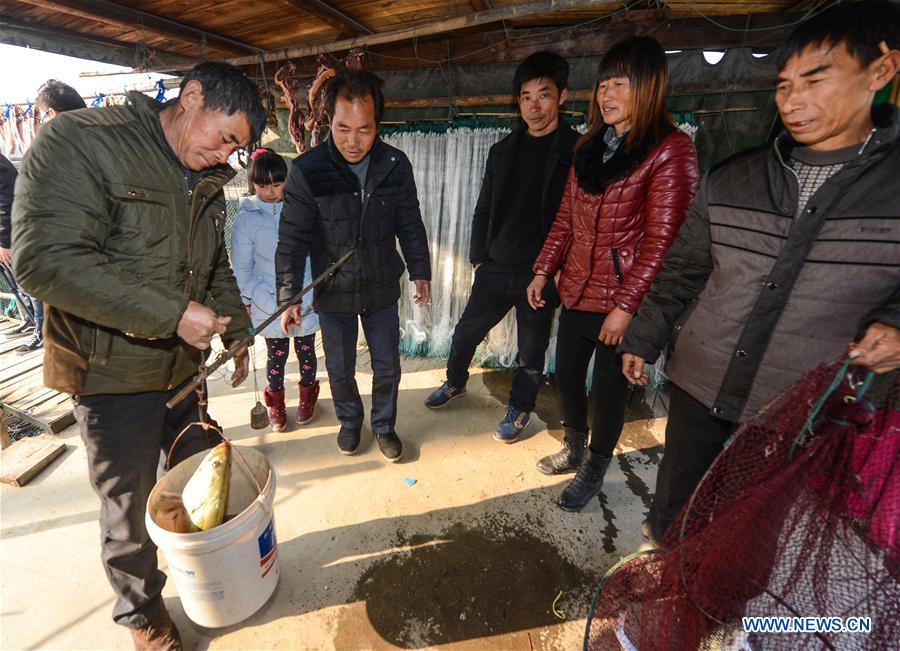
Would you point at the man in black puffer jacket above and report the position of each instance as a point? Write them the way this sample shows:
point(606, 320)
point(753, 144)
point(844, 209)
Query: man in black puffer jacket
point(354, 192)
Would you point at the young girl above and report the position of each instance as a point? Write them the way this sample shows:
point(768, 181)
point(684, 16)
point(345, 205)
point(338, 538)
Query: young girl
point(253, 243)
point(633, 177)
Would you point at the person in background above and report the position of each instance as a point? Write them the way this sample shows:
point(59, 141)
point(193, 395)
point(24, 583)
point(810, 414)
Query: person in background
point(631, 184)
point(523, 184)
point(253, 243)
point(7, 186)
point(53, 97)
point(789, 253)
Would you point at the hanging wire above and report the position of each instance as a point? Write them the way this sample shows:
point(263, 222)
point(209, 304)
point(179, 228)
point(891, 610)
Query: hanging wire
point(819, 7)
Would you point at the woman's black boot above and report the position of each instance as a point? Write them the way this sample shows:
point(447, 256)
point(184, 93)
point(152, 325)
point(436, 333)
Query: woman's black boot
point(587, 482)
point(569, 458)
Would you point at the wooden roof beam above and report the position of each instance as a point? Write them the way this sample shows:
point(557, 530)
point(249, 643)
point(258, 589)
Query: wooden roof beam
point(73, 44)
point(328, 14)
point(682, 33)
point(481, 5)
point(436, 27)
point(119, 15)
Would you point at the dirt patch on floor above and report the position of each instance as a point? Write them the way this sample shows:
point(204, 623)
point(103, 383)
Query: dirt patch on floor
point(469, 583)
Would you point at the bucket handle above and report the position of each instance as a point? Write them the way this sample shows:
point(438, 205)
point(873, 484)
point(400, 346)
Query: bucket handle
point(245, 467)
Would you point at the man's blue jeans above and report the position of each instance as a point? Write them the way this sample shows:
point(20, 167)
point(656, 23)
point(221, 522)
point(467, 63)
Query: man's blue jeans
point(339, 335)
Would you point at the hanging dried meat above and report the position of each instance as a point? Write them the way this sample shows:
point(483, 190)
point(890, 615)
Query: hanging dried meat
point(315, 102)
point(288, 84)
point(310, 120)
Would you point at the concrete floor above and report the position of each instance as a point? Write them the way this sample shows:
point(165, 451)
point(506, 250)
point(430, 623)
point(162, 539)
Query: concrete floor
point(472, 556)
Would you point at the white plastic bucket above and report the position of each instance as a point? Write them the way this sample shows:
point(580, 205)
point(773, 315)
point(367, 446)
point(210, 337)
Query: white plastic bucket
point(226, 574)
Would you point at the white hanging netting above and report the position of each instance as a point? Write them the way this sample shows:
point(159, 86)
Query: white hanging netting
point(448, 168)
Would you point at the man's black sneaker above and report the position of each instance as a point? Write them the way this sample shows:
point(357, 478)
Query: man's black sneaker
point(34, 342)
point(390, 446)
point(23, 328)
point(348, 440)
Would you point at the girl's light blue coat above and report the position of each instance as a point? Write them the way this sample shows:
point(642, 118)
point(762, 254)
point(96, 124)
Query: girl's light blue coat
point(253, 242)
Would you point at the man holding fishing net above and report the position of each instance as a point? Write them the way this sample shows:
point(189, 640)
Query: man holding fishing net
point(118, 226)
point(789, 253)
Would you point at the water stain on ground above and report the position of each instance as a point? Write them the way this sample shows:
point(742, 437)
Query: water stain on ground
point(468, 583)
point(633, 481)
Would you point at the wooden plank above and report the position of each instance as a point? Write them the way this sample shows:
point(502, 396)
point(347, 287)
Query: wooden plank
point(62, 421)
point(32, 378)
point(21, 395)
point(30, 374)
point(23, 460)
point(8, 325)
point(329, 15)
point(53, 408)
point(10, 344)
point(36, 399)
point(21, 368)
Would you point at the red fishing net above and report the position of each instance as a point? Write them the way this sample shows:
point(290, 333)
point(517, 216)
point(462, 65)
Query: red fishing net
point(798, 517)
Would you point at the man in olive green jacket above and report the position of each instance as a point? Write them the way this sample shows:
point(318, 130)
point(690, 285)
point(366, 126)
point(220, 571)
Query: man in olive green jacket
point(118, 227)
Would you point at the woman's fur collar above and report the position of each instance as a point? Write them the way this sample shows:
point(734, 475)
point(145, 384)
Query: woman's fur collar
point(594, 176)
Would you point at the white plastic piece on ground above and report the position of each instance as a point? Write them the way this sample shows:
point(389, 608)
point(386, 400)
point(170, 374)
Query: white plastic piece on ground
point(226, 574)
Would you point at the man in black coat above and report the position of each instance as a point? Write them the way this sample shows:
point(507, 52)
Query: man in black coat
point(523, 184)
point(354, 192)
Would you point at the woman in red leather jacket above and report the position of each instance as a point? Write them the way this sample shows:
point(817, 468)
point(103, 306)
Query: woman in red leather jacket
point(632, 180)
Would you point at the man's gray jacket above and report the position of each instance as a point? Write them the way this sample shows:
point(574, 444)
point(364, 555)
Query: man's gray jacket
point(752, 296)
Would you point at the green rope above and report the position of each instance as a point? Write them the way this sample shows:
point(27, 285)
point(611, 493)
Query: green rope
point(817, 408)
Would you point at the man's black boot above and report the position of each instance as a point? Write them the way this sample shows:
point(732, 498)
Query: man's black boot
point(569, 458)
point(587, 482)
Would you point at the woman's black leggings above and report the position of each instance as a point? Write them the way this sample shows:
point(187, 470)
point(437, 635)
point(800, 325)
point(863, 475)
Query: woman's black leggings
point(576, 341)
point(276, 359)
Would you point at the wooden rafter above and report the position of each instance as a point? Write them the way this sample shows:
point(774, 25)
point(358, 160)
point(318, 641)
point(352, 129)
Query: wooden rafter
point(75, 44)
point(488, 17)
point(481, 5)
point(127, 17)
point(684, 33)
point(326, 13)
